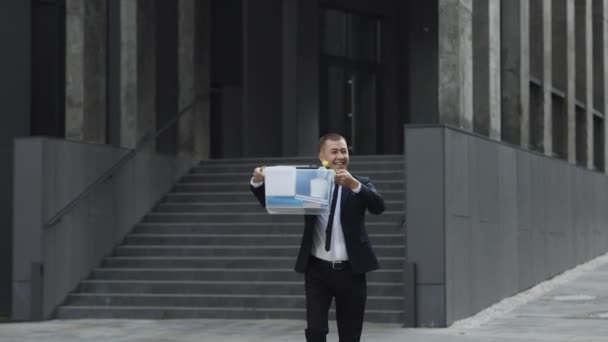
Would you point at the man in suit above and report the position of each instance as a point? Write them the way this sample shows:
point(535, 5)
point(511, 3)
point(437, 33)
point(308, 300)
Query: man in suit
point(335, 252)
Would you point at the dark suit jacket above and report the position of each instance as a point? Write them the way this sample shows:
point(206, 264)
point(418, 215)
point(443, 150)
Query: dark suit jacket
point(352, 216)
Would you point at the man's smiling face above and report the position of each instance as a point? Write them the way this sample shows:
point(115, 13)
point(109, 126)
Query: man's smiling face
point(335, 152)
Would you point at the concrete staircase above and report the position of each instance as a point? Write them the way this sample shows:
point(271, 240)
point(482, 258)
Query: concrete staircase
point(209, 250)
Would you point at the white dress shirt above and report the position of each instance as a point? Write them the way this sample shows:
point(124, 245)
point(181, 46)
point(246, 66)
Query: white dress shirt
point(337, 251)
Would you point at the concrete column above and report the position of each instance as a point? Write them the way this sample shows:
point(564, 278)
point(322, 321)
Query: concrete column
point(589, 79)
point(137, 71)
point(290, 89)
point(571, 81)
point(486, 68)
point(455, 63)
point(86, 71)
point(547, 80)
point(515, 61)
point(128, 74)
point(494, 69)
point(599, 79)
point(15, 96)
point(560, 76)
point(186, 75)
point(262, 20)
point(202, 48)
point(604, 47)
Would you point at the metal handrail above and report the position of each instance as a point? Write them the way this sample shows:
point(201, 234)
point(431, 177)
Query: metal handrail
point(143, 142)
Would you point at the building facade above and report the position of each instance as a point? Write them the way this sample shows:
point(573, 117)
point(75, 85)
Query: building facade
point(266, 78)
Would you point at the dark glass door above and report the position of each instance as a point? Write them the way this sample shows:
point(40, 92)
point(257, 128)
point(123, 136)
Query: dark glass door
point(349, 78)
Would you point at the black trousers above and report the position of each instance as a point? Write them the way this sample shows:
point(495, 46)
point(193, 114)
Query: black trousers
point(323, 283)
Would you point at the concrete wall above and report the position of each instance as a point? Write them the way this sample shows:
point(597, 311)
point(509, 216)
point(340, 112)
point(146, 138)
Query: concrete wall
point(486, 220)
point(15, 100)
point(50, 261)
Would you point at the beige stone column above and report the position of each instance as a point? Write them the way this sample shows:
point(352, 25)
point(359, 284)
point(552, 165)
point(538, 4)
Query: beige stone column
point(202, 115)
point(137, 71)
point(515, 72)
point(604, 28)
point(589, 79)
point(186, 75)
point(547, 133)
point(486, 67)
point(86, 71)
point(571, 81)
point(455, 63)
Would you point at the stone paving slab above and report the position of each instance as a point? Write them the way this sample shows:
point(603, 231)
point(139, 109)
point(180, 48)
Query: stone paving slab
point(575, 311)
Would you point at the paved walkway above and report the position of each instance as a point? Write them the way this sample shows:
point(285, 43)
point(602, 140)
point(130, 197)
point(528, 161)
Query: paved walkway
point(575, 309)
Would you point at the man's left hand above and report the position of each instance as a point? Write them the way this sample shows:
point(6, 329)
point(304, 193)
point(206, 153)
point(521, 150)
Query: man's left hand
point(344, 178)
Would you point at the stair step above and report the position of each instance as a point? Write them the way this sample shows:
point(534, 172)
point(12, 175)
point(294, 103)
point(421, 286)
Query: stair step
point(390, 289)
point(163, 312)
point(170, 238)
point(354, 160)
point(380, 185)
point(221, 262)
point(209, 250)
point(262, 216)
point(232, 250)
point(296, 227)
point(245, 196)
point(366, 169)
point(207, 175)
point(217, 274)
point(212, 300)
point(239, 207)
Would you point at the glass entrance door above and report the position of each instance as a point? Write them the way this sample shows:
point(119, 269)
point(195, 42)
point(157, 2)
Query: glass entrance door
point(349, 78)
point(350, 106)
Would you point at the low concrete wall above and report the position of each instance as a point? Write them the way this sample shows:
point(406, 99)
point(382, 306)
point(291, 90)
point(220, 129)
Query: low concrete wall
point(486, 220)
point(48, 263)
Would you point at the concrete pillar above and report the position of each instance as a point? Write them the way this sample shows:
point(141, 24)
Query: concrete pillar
point(186, 76)
point(494, 69)
point(290, 77)
point(455, 63)
point(137, 71)
point(580, 81)
point(547, 132)
point(202, 48)
point(589, 79)
point(562, 75)
point(599, 80)
point(300, 95)
point(85, 71)
point(604, 47)
point(571, 81)
point(515, 88)
point(262, 79)
point(486, 67)
point(128, 74)
point(16, 99)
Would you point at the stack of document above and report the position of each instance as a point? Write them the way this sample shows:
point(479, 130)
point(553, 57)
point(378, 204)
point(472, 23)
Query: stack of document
point(291, 190)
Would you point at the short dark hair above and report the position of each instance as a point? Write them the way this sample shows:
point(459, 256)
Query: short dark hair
point(330, 136)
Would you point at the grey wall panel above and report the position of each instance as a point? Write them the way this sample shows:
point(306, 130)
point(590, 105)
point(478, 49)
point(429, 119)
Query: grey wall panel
point(508, 278)
point(513, 218)
point(425, 204)
point(432, 313)
point(458, 266)
point(51, 173)
point(486, 160)
point(457, 174)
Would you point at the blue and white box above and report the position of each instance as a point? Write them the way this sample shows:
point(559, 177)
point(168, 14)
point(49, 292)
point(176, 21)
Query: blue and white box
point(294, 190)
